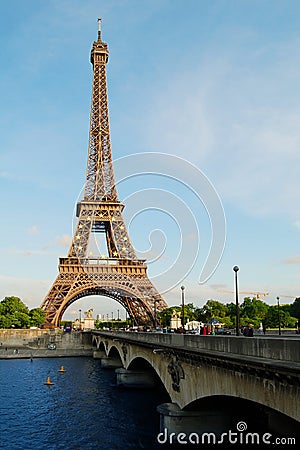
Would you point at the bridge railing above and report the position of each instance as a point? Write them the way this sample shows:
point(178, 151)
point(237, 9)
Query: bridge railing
point(283, 349)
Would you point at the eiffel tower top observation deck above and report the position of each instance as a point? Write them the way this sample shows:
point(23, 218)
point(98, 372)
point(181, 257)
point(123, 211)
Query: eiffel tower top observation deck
point(119, 274)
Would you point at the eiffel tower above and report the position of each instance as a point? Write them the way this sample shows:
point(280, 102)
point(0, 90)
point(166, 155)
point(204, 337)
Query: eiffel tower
point(119, 274)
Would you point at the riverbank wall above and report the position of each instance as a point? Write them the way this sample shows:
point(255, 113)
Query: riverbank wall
point(39, 343)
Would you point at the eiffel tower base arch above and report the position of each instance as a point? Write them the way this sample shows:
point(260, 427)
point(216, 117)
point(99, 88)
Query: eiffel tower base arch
point(126, 283)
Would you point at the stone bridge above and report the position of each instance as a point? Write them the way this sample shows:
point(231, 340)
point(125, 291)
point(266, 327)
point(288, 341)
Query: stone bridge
point(210, 380)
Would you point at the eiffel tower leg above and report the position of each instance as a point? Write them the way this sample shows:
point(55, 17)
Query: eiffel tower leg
point(52, 304)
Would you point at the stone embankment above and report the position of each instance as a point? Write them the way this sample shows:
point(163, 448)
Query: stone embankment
point(44, 343)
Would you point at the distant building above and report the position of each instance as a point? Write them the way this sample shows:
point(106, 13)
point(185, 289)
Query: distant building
point(87, 323)
point(175, 320)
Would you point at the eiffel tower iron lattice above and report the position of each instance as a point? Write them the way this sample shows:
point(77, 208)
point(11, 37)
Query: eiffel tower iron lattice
point(119, 274)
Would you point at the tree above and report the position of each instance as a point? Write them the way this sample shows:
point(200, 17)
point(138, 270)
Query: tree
point(4, 321)
point(15, 314)
point(227, 321)
point(231, 308)
point(189, 312)
point(214, 308)
point(271, 320)
point(164, 317)
point(254, 308)
point(253, 311)
point(19, 319)
point(10, 305)
point(37, 317)
point(295, 308)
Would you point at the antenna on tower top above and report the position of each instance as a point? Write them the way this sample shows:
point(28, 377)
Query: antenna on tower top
point(99, 29)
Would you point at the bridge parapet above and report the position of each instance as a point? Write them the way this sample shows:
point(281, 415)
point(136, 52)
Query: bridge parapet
point(274, 348)
point(260, 369)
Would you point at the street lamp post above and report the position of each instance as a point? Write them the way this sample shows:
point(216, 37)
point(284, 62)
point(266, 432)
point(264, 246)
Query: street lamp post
point(278, 309)
point(182, 306)
point(80, 319)
point(237, 309)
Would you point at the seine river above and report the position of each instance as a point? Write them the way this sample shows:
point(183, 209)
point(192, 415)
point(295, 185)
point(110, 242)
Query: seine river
point(82, 410)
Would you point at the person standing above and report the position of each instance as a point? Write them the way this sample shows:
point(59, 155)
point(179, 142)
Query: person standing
point(250, 330)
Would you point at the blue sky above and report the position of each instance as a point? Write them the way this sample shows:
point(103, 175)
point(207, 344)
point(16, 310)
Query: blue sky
point(213, 82)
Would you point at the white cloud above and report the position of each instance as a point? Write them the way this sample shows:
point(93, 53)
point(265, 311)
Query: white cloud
point(29, 290)
point(64, 241)
point(31, 252)
point(33, 230)
point(292, 260)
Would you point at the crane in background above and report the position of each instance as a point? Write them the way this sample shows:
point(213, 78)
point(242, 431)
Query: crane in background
point(258, 295)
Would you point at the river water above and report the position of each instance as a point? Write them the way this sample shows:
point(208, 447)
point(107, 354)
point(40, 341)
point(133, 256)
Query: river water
point(82, 410)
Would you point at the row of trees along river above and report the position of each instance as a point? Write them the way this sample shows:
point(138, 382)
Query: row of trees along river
point(15, 314)
point(252, 310)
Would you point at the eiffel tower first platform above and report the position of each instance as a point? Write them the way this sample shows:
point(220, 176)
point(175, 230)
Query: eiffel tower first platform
point(118, 274)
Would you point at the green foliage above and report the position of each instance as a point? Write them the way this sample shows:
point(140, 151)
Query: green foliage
point(214, 308)
point(286, 320)
point(164, 317)
point(286, 308)
point(295, 308)
point(116, 324)
point(15, 314)
point(191, 312)
point(231, 308)
point(19, 320)
point(293, 321)
point(10, 305)
point(227, 321)
point(66, 323)
point(37, 317)
point(4, 321)
point(252, 310)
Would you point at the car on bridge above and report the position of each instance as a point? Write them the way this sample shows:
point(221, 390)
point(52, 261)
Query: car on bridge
point(223, 331)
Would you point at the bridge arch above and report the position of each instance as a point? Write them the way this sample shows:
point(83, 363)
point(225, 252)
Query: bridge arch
point(144, 363)
point(138, 362)
point(113, 352)
point(256, 415)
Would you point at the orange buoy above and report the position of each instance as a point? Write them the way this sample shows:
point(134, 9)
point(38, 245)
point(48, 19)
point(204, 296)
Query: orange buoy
point(62, 369)
point(48, 382)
